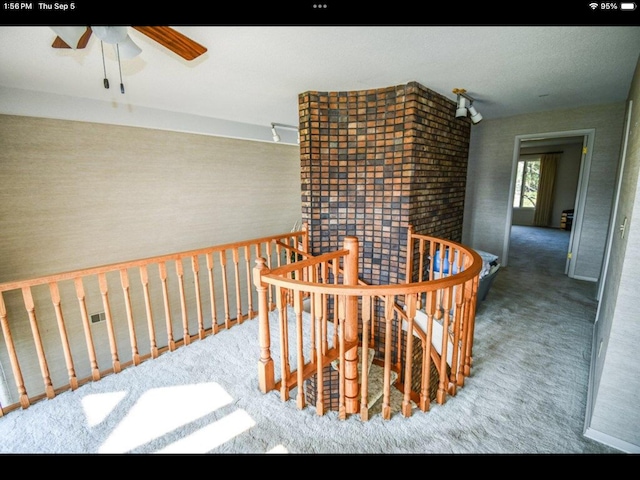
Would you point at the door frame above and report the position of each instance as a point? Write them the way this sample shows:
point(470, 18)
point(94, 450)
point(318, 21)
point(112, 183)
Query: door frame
point(581, 191)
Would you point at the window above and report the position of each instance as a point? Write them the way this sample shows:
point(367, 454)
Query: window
point(527, 179)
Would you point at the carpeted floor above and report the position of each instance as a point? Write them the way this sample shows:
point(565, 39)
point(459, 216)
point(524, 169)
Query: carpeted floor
point(526, 394)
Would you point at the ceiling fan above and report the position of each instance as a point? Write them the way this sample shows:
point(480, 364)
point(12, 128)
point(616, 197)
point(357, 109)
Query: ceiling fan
point(77, 37)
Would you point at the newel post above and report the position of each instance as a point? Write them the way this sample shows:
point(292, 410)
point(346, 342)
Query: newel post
point(351, 326)
point(265, 365)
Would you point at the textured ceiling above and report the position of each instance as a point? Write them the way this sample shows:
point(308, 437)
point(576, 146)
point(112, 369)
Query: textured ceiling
point(253, 74)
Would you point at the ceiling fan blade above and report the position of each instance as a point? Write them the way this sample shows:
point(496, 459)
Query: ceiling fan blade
point(71, 34)
point(173, 40)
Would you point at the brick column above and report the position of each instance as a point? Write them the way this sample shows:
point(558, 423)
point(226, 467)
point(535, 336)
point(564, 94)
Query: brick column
point(375, 161)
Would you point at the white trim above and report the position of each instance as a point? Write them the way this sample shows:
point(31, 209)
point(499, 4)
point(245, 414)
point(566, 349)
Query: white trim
point(614, 442)
point(581, 200)
point(586, 279)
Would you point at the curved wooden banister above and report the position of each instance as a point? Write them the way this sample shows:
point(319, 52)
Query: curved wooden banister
point(448, 299)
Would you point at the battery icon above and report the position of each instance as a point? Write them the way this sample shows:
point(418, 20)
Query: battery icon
point(627, 6)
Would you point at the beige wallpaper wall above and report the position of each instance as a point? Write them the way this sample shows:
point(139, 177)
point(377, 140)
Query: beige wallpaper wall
point(76, 194)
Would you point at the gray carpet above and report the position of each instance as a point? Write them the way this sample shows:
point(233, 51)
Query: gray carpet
point(526, 394)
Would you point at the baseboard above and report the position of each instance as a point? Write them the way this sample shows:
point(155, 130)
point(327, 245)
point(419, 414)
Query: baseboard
point(624, 447)
point(586, 279)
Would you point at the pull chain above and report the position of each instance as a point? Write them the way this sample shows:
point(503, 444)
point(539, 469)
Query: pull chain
point(104, 67)
point(120, 69)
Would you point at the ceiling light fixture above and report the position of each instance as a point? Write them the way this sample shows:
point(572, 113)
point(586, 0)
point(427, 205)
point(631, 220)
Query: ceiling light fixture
point(116, 36)
point(274, 133)
point(465, 105)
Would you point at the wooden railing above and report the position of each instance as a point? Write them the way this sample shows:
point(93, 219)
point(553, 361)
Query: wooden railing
point(63, 330)
point(326, 316)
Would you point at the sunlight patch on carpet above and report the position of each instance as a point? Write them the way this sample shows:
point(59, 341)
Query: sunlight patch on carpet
point(213, 435)
point(98, 406)
point(160, 410)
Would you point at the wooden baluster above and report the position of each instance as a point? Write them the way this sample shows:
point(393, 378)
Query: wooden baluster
point(471, 289)
point(456, 373)
point(321, 345)
point(372, 315)
point(196, 282)
point(104, 291)
point(95, 371)
point(409, 258)
point(247, 262)
point(266, 379)
point(408, 366)
point(421, 243)
point(64, 338)
point(284, 344)
point(225, 290)
point(144, 278)
point(388, 307)
point(124, 280)
point(212, 294)
point(325, 309)
point(364, 386)
point(342, 405)
point(399, 350)
point(279, 254)
point(312, 314)
point(162, 272)
point(236, 265)
point(297, 307)
point(13, 356)
point(447, 327)
point(425, 394)
point(421, 269)
point(271, 288)
point(441, 249)
point(183, 303)
point(334, 268)
point(444, 379)
point(37, 339)
point(432, 262)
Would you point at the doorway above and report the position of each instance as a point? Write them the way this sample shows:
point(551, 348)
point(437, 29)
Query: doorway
point(553, 141)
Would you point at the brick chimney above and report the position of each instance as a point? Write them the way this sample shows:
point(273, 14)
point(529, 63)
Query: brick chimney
point(375, 161)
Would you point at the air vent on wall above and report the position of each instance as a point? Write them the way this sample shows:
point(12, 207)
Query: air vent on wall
point(98, 317)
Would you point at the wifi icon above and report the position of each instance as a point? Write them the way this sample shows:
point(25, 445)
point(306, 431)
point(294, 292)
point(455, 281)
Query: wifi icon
point(593, 5)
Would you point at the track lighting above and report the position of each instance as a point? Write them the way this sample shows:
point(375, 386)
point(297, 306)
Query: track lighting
point(461, 111)
point(475, 116)
point(465, 105)
point(274, 133)
point(276, 137)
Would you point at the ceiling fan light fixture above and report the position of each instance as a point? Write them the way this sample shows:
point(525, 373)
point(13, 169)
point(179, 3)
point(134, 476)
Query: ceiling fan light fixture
point(128, 49)
point(70, 35)
point(110, 34)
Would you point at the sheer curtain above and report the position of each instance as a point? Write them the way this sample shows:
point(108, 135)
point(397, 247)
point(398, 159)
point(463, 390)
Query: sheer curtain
point(544, 202)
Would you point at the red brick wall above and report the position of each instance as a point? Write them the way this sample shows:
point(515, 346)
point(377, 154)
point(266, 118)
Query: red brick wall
point(375, 161)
